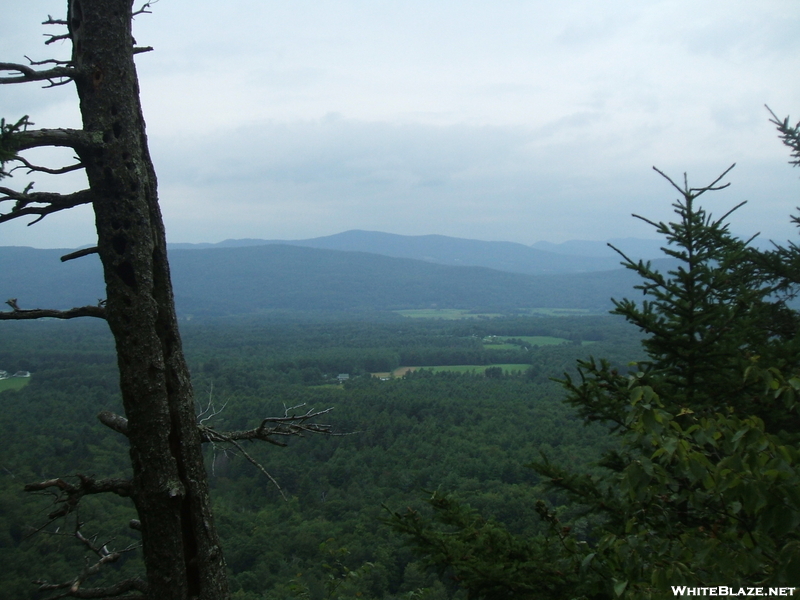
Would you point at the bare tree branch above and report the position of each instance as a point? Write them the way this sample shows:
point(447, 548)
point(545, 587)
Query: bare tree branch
point(114, 421)
point(142, 49)
point(145, 8)
point(288, 425)
point(222, 438)
point(57, 75)
point(116, 591)
point(18, 314)
point(52, 21)
point(54, 38)
point(105, 556)
point(36, 168)
point(47, 203)
point(80, 253)
point(76, 139)
point(68, 495)
point(47, 61)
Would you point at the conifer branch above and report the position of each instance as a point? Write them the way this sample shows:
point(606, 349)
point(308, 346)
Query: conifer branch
point(790, 135)
point(691, 193)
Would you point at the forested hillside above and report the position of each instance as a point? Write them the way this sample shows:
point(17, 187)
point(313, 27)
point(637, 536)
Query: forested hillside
point(471, 434)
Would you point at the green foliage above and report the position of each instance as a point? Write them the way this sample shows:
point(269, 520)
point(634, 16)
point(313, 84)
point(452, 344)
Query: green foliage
point(339, 581)
point(699, 499)
point(789, 135)
point(482, 556)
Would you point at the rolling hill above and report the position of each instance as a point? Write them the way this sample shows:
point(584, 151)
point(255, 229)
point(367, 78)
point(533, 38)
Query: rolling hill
point(251, 279)
point(459, 252)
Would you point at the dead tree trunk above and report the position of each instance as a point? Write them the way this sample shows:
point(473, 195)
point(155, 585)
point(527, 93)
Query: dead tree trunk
point(181, 549)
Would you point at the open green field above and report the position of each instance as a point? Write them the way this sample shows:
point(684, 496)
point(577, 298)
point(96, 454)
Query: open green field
point(533, 340)
point(444, 313)
point(542, 340)
point(511, 368)
point(501, 343)
point(14, 383)
point(500, 346)
point(563, 312)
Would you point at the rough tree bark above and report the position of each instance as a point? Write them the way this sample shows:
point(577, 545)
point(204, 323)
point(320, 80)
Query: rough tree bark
point(180, 545)
point(181, 549)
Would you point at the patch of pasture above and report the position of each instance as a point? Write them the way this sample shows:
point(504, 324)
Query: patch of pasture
point(463, 313)
point(478, 369)
point(14, 383)
point(447, 314)
point(501, 346)
point(565, 312)
point(541, 340)
point(510, 368)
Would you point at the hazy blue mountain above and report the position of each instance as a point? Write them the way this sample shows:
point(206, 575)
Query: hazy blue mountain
point(250, 279)
point(440, 249)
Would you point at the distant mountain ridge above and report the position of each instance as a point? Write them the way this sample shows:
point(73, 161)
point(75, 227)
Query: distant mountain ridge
point(542, 258)
point(252, 279)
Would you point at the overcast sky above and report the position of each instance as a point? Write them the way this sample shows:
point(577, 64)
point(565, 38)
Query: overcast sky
point(506, 120)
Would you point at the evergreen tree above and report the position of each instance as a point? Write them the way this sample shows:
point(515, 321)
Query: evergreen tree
point(704, 486)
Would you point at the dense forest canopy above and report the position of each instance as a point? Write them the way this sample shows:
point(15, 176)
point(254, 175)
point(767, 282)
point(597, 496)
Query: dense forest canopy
point(465, 433)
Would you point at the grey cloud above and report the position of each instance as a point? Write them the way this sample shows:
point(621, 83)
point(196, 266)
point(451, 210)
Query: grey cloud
point(320, 177)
